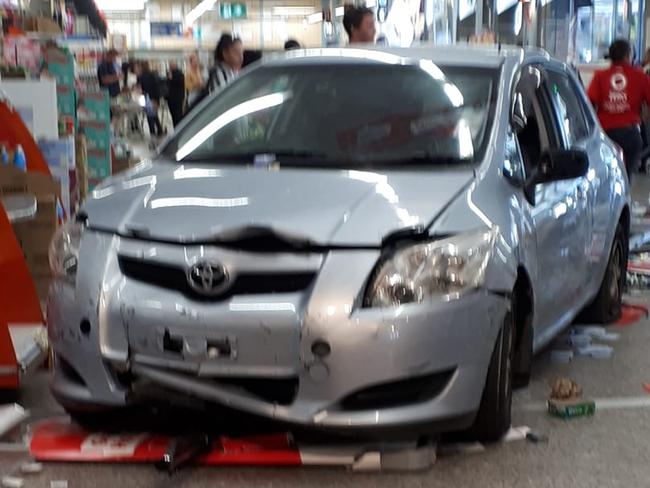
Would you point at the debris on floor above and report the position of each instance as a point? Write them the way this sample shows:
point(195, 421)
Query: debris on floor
point(12, 482)
point(597, 351)
point(561, 356)
point(59, 484)
point(632, 314)
point(581, 338)
point(11, 415)
point(31, 468)
point(521, 433)
point(566, 400)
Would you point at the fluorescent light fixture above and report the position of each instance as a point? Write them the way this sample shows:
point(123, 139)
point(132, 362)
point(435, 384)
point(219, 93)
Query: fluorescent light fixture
point(292, 11)
point(315, 18)
point(238, 111)
point(199, 10)
point(339, 11)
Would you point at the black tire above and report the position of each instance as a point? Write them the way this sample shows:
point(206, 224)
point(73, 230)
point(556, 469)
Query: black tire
point(607, 306)
point(523, 362)
point(494, 415)
point(103, 419)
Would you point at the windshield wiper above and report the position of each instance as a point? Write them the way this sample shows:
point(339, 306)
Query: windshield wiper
point(262, 157)
point(416, 159)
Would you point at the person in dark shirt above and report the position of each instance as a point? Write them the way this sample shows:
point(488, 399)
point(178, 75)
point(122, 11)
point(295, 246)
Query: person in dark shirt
point(108, 74)
point(176, 92)
point(149, 85)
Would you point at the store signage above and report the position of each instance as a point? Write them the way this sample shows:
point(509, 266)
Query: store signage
point(232, 10)
point(166, 29)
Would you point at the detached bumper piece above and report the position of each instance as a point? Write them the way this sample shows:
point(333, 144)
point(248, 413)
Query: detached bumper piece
point(60, 441)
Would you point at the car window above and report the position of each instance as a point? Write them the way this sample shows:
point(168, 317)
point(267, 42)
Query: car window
point(568, 107)
point(317, 115)
point(512, 162)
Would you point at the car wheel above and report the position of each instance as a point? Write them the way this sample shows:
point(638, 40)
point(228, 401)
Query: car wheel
point(607, 305)
point(493, 418)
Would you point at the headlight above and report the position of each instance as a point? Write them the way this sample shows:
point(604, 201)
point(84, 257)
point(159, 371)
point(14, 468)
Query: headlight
point(443, 267)
point(64, 250)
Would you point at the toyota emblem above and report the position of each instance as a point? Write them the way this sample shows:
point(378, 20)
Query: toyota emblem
point(208, 279)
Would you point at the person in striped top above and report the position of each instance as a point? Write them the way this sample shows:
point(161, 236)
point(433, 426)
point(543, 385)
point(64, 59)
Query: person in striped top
point(228, 56)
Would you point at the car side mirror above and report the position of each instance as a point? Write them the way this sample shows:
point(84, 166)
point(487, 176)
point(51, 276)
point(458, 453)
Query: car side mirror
point(560, 164)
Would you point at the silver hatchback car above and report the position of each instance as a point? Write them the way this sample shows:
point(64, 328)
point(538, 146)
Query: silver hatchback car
point(353, 240)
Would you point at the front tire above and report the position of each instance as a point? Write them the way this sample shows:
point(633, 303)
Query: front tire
point(607, 306)
point(494, 415)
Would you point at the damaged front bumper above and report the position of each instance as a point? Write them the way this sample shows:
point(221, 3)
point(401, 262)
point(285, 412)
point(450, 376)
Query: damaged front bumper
point(305, 358)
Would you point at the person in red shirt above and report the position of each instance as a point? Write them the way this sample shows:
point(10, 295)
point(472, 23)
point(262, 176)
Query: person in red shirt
point(617, 93)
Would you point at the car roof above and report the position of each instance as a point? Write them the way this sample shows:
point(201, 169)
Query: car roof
point(451, 55)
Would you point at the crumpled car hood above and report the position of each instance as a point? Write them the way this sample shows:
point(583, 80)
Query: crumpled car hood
point(197, 202)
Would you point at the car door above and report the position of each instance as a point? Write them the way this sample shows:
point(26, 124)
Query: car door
point(579, 192)
point(556, 217)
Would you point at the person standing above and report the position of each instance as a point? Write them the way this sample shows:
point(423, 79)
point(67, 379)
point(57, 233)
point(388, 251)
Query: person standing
point(617, 93)
point(229, 57)
point(359, 23)
point(176, 92)
point(108, 73)
point(194, 81)
point(150, 87)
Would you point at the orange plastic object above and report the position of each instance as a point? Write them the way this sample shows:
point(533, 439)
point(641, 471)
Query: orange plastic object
point(13, 131)
point(18, 300)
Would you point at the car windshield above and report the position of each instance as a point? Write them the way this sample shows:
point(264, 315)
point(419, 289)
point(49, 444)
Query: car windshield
point(345, 115)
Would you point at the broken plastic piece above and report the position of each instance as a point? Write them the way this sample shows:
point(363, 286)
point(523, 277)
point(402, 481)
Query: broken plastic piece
point(516, 434)
point(31, 468)
point(579, 340)
point(596, 351)
point(536, 438)
point(595, 332)
point(11, 415)
point(12, 482)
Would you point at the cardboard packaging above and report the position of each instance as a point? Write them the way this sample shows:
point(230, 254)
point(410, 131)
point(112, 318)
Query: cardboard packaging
point(123, 164)
point(34, 235)
point(575, 407)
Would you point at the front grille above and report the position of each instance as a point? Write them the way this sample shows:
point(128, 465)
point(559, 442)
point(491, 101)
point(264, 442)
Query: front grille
point(398, 393)
point(174, 278)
